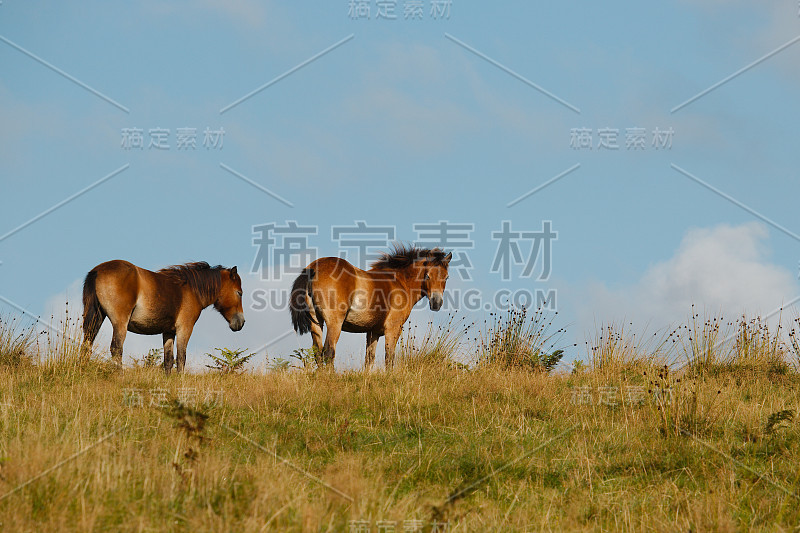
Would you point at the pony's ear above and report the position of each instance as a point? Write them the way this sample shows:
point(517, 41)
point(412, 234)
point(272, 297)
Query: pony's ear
point(233, 273)
point(447, 258)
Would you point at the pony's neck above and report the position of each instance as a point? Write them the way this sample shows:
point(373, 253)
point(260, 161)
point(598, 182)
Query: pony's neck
point(211, 299)
point(412, 279)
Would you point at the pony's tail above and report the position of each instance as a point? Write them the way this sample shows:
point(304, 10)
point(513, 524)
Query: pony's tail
point(93, 314)
point(298, 304)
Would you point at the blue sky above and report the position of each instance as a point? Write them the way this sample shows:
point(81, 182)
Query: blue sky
point(407, 121)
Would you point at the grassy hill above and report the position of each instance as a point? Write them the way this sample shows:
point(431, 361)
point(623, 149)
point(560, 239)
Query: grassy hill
point(621, 443)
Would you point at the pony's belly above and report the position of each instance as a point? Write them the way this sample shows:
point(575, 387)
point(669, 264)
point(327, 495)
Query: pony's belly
point(359, 321)
point(145, 323)
point(355, 328)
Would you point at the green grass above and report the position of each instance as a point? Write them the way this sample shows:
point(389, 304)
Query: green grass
point(484, 448)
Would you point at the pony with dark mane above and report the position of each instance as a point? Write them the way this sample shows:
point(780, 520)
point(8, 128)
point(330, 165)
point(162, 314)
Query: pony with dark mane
point(168, 302)
point(331, 292)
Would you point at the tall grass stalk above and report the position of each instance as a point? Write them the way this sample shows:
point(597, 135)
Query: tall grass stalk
point(517, 339)
point(17, 342)
point(615, 350)
point(62, 354)
point(756, 347)
point(702, 342)
point(435, 344)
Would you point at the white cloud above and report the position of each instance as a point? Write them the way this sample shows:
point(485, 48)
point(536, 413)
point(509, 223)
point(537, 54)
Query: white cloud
point(724, 269)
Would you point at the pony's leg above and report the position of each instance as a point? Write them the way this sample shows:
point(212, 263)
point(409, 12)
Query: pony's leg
point(182, 338)
point(331, 338)
point(118, 306)
point(117, 340)
point(169, 342)
point(392, 336)
point(372, 344)
point(316, 337)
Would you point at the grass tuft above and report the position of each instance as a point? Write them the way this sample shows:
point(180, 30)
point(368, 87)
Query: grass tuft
point(516, 339)
point(17, 342)
point(436, 345)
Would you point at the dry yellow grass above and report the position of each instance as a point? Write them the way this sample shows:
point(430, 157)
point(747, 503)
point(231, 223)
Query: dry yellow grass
point(609, 448)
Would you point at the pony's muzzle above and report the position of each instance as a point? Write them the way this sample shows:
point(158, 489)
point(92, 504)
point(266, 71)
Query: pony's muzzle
point(236, 322)
point(436, 301)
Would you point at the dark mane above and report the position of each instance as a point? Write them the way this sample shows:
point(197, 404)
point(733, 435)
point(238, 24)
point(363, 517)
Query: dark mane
point(203, 279)
point(404, 255)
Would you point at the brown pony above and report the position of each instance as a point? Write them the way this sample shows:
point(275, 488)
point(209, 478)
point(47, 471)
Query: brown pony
point(168, 302)
point(377, 301)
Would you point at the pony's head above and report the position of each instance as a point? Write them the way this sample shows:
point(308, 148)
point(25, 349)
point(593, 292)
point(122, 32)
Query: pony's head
point(229, 301)
point(434, 277)
point(427, 267)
